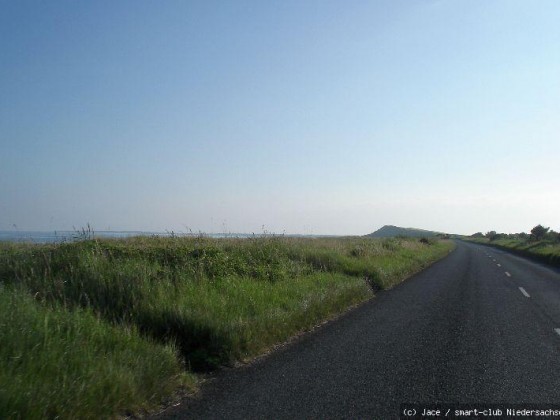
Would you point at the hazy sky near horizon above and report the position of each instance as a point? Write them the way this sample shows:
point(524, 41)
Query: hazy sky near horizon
point(323, 117)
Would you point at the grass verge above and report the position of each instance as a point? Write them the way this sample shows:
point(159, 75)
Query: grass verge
point(545, 251)
point(60, 364)
point(96, 323)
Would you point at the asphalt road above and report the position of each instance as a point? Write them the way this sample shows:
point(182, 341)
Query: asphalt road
point(478, 327)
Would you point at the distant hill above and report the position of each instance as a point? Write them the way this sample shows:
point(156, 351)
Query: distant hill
point(388, 231)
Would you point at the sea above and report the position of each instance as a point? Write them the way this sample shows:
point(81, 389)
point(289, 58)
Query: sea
point(61, 236)
point(70, 236)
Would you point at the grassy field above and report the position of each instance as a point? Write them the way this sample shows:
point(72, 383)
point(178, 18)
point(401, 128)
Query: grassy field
point(100, 327)
point(546, 251)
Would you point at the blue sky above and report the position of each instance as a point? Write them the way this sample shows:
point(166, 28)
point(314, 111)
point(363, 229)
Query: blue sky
point(323, 117)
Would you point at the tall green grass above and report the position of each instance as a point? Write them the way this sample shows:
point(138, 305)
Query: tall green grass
point(56, 363)
point(216, 301)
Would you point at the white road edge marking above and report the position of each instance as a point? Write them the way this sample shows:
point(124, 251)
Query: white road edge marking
point(557, 330)
point(524, 292)
point(507, 274)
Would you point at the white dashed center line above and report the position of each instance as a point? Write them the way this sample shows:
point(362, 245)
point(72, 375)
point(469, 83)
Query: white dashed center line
point(557, 330)
point(499, 265)
point(507, 274)
point(524, 292)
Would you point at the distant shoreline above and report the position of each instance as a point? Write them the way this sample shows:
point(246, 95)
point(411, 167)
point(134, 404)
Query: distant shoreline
point(43, 237)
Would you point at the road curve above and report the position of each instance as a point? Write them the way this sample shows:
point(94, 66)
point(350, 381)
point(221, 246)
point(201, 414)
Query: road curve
point(480, 326)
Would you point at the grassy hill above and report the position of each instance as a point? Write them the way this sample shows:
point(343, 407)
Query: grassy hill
point(389, 231)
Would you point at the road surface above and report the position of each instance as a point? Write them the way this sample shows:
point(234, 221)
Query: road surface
point(480, 326)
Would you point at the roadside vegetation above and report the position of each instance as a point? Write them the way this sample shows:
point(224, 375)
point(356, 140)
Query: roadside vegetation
point(56, 363)
point(541, 244)
point(101, 327)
